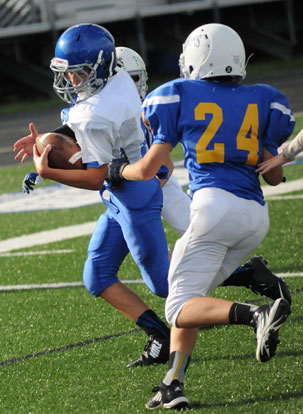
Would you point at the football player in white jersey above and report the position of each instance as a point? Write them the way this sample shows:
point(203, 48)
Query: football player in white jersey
point(105, 119)
point(223, 143)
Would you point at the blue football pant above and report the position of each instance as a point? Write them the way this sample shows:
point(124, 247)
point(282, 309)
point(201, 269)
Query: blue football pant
point(121, 230)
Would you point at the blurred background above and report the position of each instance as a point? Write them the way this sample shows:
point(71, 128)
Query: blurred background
point(271, 29)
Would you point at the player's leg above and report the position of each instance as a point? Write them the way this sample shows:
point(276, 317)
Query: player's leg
point(196, 269)
point(144, 233)
point(254, 274)
point(107, 249)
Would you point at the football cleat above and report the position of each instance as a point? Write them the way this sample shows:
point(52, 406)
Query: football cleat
point(168, 396)
point(267, 320)
point(265, 282)
point(156, 351)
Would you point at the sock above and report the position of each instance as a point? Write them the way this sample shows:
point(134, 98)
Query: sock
point(177, 366)
point(241, 277)
point(152, 324)
point(242, 313)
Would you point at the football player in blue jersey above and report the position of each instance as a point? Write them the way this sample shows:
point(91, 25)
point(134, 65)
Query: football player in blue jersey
point(254, 274)
point(226, 129)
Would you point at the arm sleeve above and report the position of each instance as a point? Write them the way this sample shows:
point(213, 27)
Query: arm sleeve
point(294, 147)
point(281, 122)
point(160, 114)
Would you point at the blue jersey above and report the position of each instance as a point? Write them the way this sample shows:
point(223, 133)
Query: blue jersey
point(222, 128)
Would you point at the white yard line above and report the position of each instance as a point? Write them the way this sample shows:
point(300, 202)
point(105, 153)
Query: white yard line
point(80, 284)
point(55, 285)
point(48, 236)
point(36, 253)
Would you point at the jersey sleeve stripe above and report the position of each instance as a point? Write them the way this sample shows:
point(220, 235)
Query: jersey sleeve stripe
point(158, 100)
point(283, 109)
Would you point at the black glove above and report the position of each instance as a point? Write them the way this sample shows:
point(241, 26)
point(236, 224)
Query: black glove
point(115, 169)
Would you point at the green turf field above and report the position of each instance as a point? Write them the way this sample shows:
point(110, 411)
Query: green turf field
point(63, 352)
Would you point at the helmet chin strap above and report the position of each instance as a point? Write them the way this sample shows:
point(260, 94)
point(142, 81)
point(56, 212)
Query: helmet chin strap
point(111, 65)
point(98, 62)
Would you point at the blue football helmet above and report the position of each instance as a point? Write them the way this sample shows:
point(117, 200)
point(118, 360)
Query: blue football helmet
point(86, 53)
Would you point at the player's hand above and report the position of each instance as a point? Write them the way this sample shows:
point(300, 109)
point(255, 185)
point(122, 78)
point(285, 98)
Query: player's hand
point(31, 179)
point(41, 161)
point(266, 166)
point(115, 169)
point(24, 146)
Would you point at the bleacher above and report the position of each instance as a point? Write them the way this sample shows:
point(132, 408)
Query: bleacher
point(21, 17)
point(23, 20)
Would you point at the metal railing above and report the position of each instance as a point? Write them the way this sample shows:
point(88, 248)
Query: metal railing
point(21, 17)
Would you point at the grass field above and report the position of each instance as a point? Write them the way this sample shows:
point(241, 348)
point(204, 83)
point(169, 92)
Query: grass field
point(63, 352)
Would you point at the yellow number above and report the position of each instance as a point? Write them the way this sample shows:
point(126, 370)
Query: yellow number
point(247, 138)
point(145, 121)
point(203, 154)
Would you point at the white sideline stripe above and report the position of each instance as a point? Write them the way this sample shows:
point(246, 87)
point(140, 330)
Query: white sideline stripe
point(48, 236)
point(50, 197)
point(59, 196)
point(68, 232)
point(283, 188)
point(38, 253)
point(56, 285)
point(291, 197)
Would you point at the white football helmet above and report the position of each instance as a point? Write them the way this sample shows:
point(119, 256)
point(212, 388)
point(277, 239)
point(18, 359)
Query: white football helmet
point(133, 63)
point(213, 50)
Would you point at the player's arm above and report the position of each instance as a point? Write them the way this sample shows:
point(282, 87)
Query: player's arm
point(146, 168)
point(275, 175)
point(294, 147)
point(89, 179)
point(289, 151)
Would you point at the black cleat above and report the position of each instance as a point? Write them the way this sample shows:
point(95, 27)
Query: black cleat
point(265, 282)
point(168, 396)
point(156, 351)
point(267, 320)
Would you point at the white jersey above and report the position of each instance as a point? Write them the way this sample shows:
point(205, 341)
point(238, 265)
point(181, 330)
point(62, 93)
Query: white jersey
point(109, 120)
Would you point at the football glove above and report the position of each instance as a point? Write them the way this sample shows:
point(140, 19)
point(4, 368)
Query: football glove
point(115, 169)
point(31, 179)
point(162, 174)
